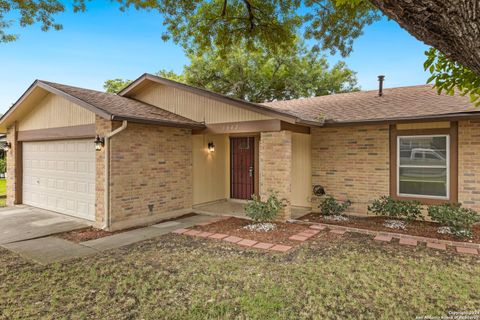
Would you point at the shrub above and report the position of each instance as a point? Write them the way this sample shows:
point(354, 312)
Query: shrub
point(459, 220)
point(400, 209)
point(3, 165)
point(331, 207)
point(263, 211)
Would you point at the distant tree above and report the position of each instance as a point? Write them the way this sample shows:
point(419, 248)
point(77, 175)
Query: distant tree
point(115, 85)
point(260, 76)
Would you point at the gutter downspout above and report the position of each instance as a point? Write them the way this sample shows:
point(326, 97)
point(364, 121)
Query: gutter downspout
point(106, 204)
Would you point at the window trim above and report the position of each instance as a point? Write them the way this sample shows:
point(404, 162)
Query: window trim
point(447, 166)
point(453, 165)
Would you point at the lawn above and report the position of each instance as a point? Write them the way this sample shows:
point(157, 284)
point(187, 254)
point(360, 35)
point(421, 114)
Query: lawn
point(3, 191)
point(180, 277)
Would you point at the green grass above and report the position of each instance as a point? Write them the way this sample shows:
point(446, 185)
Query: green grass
point(3, 191)
point(177, 277)
point(3, 187)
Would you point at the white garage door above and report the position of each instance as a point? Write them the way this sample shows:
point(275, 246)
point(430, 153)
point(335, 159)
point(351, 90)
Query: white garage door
point(60, 176)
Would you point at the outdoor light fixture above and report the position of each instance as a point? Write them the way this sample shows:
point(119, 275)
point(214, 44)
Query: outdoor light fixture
point(7, 146)
point(211, 147)
point(99, 142)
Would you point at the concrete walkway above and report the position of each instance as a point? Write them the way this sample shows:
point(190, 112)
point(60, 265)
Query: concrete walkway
point(48, 250)
point(20, 223)
point(51, 249)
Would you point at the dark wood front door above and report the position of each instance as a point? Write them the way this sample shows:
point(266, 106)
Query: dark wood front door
point(242, 165)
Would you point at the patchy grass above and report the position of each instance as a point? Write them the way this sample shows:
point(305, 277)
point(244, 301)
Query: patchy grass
point(180, 277)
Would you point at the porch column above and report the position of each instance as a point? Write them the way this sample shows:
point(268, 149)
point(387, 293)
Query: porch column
point(276, 168)
point(14, 167)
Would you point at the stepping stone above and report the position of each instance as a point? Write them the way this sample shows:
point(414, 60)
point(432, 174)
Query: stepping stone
point(204, 234)
point(180, 231)
point(247, 242)
point(311, 231)
point(383, 238)
point(298, 237)
point(192, 232)
point(438, 246)
point(304, 234)
point(263, 245)
point(218, 236)
point(280, 248)
point(232, 239)
point(408, 242)
point(338, 231)
point(318, 227)
point(467, 250)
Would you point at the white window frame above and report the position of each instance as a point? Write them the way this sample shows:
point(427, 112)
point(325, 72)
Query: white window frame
point(447, 136)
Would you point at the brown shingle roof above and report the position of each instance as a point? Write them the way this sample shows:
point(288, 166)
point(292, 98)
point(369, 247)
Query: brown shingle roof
point(395, 104)
point(121, 108)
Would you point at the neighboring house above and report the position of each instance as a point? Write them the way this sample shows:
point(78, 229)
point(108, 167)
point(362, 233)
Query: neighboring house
point(169, 147)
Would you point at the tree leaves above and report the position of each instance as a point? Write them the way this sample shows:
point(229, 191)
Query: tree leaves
point(450, 77)
point(29, 12)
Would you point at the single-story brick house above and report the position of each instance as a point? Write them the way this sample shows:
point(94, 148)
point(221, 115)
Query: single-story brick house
point(165, 147)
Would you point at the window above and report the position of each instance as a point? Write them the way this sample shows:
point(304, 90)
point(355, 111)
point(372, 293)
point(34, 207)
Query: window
point(423, 166)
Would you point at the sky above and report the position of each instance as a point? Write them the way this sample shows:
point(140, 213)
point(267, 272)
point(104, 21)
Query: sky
point(105, 43)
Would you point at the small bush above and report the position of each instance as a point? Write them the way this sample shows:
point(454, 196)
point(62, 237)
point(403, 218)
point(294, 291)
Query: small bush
point(400, 209)
point(459, 220)
point(331, 207)
point(3, 165)
point(264, 211)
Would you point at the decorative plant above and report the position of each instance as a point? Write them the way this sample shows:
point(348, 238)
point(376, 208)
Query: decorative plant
point(459, 220)
point(331, 207)
point(400, 209)
point(264, 211)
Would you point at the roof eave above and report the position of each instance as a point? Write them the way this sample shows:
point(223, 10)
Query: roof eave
point(160, 122)
point(446, 116)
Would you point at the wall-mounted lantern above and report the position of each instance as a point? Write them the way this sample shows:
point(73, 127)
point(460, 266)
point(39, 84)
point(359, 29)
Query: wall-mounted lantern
point(211, 147)
point(99, 143)
point(7, 147)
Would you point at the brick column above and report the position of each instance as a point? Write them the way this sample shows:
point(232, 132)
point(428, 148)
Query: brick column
point(14, 168)
point(276, 167)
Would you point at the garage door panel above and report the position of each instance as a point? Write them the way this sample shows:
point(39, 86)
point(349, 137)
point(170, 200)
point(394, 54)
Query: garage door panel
point(60, 176)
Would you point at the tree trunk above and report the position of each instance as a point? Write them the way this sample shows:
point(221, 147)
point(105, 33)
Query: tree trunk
point(451, 26)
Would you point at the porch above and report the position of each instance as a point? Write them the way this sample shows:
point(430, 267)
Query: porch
point(237, 208)
point(230, 167)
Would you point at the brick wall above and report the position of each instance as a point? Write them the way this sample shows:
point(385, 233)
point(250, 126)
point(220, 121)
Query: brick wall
point(150, 166)
point(102, 127)
point(469, 163)
point(351, 163)
point(276, 167)
point(11, 166)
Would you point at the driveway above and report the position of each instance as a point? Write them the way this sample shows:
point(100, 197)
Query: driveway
point(22, 223)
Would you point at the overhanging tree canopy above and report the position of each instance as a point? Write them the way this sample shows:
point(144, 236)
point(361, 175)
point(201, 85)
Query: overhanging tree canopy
point(451, 26)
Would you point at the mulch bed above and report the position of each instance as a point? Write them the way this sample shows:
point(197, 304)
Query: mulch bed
point(86, 234)
point(234, 227)
point(92, 233)
point(415, 228)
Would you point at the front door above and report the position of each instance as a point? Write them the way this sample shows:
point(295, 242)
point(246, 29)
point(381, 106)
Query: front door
point(242, 159)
